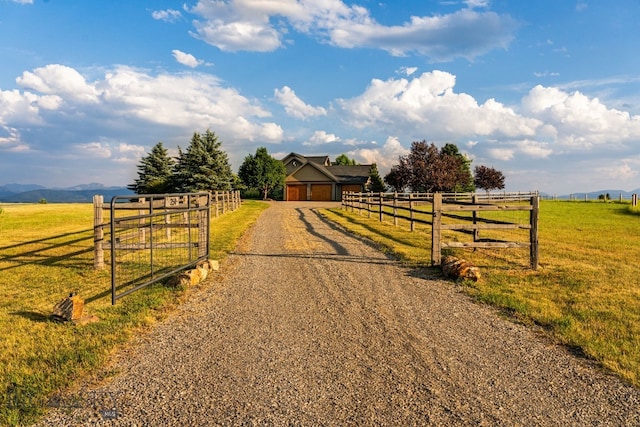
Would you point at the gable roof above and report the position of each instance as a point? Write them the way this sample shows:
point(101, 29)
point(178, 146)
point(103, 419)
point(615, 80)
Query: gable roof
point(340, 174)
point(357, 174)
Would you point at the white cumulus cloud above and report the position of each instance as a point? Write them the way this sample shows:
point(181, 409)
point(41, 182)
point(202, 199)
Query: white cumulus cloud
point(168, 15)
point(385, 157)
point(296, 107)
point(233, 25)
point(429, 103)
point(186, 58)
point(321, 137)
point(56, 79)
point(580, 121)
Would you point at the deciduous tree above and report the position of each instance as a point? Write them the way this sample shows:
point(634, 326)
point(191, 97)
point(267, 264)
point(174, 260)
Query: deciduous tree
point(427, 169)
point(262, 172)
point(488, 178)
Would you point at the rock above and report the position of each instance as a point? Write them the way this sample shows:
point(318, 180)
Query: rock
point(210, 265)
point(71, 309)
point(460, 269)
point(196, 275)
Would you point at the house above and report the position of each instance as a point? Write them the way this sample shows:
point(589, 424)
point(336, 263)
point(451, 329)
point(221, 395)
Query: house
point(315, 178)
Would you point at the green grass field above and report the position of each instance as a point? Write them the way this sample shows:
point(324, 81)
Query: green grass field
point(46, 251)
point(586, 292)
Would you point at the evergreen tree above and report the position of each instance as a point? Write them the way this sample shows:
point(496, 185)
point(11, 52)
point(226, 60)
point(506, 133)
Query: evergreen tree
point(203, 166)
point(376, 184)
point(262, 172)
point(343, 160)
point(154, 172)
point(465, 182)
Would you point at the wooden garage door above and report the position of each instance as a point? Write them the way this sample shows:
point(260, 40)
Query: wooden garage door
point(296, 192)
point(321, 192)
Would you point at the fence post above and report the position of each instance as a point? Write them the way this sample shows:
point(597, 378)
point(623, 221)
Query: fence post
point(203, 227)
point(380, 206)
point(395, 208)
point(476, 233)
point(535, 208)
point(369, 197)
point(98, 232)
point(413, 224)
point(359, 203)
point(634, 200)
point(142, 232)
point(436, 248)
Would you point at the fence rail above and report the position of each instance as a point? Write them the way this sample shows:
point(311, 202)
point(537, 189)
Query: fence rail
point(467, 213)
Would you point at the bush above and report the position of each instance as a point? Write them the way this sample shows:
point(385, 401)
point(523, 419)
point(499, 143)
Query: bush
point(250, 193)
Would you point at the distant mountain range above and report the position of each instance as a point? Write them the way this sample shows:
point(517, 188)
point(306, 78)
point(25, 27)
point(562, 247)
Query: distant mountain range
point(32, 193)
point(83, 193)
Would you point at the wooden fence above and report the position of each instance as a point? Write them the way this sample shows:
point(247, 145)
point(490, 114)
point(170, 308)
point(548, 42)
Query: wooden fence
point(457, 212)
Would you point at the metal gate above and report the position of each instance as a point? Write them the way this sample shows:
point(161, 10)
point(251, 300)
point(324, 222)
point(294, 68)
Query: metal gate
point(156, 236)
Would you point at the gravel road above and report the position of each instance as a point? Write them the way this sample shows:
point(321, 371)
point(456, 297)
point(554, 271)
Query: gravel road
point(308, 325)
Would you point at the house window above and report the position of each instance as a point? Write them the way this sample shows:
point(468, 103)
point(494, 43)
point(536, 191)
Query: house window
point(294, 163)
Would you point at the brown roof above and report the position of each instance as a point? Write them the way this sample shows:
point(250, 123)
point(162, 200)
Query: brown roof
point(358, 174)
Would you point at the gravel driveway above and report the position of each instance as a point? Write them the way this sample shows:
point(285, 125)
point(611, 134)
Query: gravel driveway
point(308, 325)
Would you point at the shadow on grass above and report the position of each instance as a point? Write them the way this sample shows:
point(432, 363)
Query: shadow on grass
point(375, 230)
point(629, 211)
point(34, 316)
point(39, 256)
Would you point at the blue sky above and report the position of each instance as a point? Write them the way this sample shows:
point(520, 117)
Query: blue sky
point(547, 91)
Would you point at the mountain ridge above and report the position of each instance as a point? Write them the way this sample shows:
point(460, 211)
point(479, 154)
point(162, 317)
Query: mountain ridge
point(83, 193)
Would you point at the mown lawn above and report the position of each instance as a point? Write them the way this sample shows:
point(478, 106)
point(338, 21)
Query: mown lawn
point(46, 251)
point(586, 292)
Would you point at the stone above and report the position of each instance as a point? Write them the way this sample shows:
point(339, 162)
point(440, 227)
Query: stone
point(70, 308)
point(460, 269)
point(195, 275)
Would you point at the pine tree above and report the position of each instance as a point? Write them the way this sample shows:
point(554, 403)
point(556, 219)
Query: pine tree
point(203, 166)
point(343, 160)
point(376, 184)
point(465, 182)
point(154, 172)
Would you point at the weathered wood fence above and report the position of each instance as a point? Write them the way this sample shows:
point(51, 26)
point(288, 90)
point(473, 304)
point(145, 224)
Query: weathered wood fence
point(457, 212)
